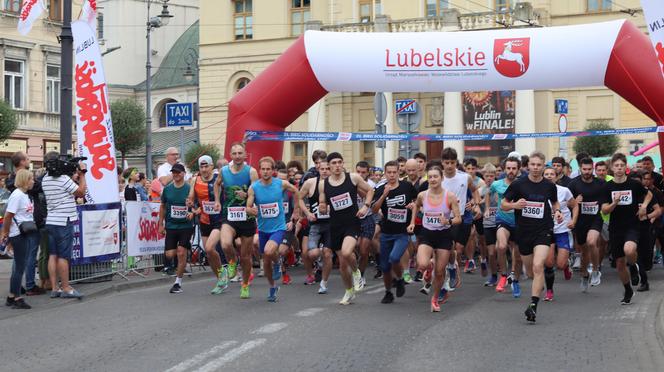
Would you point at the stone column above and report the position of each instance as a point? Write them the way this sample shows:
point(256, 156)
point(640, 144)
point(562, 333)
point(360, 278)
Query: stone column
point(525, 120)
point(453, 121)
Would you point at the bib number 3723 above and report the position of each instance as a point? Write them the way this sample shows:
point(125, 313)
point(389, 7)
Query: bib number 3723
point(533, 210)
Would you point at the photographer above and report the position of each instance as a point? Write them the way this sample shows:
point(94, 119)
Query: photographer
point(60, 192)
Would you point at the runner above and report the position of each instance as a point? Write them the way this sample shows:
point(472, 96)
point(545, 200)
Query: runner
point(286, 247)
point(563, 243)
point(587, 189)
point(602, 173)
point(394, 199)
point(437, 206)
point(558, 163)
point(202, 194)
point(175, 222)
point(648, 228)
point(534, 200)
point(367, 223)
point(319, 230)
point(626, 200)
point(236, 178)
point(412, 167)
point(477, 232)
point(338, 194)
point(267, 195)
point(489, 222)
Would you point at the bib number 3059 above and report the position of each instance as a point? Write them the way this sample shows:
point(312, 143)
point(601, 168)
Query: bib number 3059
point(397, 215)
point(533, 210)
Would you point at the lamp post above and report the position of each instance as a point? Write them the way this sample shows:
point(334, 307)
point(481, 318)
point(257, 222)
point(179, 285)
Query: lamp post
point(153, 22)
point(189, 74)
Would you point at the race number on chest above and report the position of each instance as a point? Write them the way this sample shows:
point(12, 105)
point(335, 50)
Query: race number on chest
point(237, 214)
point(589, 208)
point(341, 202)
point(625, 196)
point(208, 207)
point(432, 220)
point(533, 210)
point(397, 215)
point(178, 211)
point(269, 210)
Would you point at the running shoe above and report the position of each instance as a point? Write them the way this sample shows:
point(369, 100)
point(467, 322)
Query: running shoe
point(516, 289)
point(484, 268)
point(418, 276)
point(363, 283)
point(357, 280)
point(379, 274)
point(658, 259)
point(236, 278)
point(222, 280)
point(176, 288)
point(511, 277)
point(286, 279)
point(589, 268)
point(276, 270)
point(627, 299)
point(232, 269)
point(577, 263)
point(244, 292)
point(251, 278)
point(388, 298)
point(644, 287)
point(549, 295)
point(501, 284)
point(318, 275)
point(349, 296)
point(493, 279)
point(21, 304)
point(443, 295)
point(595, 278)
point(634, 273)
point(272, 294)
point(452, 275)
point(584, 284)
point(435, 307)
point(470, 266)
point(309, 280)
point(446, 284)
point(261, 269)
point(568, 273)
point(407, 278)
point(401, 288)
point(322, 288)
point(426, 289)
point(531, 313)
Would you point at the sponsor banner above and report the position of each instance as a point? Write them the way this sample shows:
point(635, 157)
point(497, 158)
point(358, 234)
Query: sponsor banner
point(489, 112)
point(89, 14)
point(97, 235)
point(143, 237)
point(253, 135)
point(30, 12)
point(653, 10)
point(93, 117)
point(526, 58)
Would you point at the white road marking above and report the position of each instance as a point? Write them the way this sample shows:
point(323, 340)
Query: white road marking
point(309, 312)
point(190, 363)
point(231, 355)
point(270, 328)
point(377, 290)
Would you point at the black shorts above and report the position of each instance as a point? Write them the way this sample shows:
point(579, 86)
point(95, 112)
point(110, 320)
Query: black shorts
point(436, 239)
point(207, 229)
point(618, 239)
point(461, 233)
point(339, 232)
point(418, 230)
point(289, 238)
point(507, 227)
point(178, 238)
point(479, 226)
point(581, 229)
point(490, 235)
point(367, 227)
point(527, 240)
point(243, 229)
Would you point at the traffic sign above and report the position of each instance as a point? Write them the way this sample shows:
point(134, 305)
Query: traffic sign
point(562, 123)
point(380, 107)
point(180, 114)
point(562, 106)
point(406, 106)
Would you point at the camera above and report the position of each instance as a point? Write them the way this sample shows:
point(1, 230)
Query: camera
point(66, 165)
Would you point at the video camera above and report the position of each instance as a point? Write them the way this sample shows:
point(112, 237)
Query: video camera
point(66, 165)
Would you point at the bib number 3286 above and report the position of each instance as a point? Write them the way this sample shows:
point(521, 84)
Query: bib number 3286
point(533, 210)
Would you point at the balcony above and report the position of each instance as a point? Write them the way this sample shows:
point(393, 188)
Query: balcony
point(39, 121)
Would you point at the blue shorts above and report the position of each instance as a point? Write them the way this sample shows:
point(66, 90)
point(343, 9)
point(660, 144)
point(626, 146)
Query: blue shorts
point(60, 240)
point(264, 237)
point(392, 247)
point(564, 241)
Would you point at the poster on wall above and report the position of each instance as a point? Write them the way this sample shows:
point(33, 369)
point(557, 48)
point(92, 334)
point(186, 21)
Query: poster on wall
point(487, 112)
point(97, 235)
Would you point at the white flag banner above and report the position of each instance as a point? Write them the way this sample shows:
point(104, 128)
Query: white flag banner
point(654, 13)
point(143, 235)
point(94, 127)
point(30, 12)
point(89, 14)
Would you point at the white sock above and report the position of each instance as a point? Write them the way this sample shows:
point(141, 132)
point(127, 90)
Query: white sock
point(323, 283)
point(178, 280)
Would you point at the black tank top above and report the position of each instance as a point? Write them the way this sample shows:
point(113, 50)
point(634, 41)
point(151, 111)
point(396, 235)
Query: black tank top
point(313, 206)
point(342, 200)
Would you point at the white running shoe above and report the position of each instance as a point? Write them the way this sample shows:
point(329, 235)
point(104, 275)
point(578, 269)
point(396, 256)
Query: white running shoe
point(322, 289)
point(446, 284)
point(357, 280)
point(595, 278)
point(584, 284)
point(349, 296)
point(577, 263)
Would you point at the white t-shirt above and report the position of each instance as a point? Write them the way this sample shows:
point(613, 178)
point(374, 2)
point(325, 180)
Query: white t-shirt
point(60, 201)
point(20, 205)
point(564, 196)
point(165, 170)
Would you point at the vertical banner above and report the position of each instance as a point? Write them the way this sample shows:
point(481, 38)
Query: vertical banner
point(98, 238)
point(143, 237)
point(89, 14)
point(653, 10)
point(30, 12)
point(93, 117)
point(488, 112)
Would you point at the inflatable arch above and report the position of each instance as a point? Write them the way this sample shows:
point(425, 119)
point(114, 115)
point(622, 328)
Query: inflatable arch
point(615, 54)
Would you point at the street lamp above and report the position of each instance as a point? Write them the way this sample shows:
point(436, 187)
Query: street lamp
point(189, 74)
point(153, 22)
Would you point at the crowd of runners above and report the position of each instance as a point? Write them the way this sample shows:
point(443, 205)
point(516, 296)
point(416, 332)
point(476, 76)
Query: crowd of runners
point(421, 221)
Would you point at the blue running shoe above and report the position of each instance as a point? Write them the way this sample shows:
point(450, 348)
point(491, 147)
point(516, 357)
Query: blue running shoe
point(272, 294)
point(516, 289)
point(276, 270)
point(493, 279)
point(442, 296)
point(452, 274)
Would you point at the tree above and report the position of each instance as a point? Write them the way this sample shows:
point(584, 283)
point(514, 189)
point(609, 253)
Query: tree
point(197, 150)
point(8, 120)
point(597, 145)
point(128, 126)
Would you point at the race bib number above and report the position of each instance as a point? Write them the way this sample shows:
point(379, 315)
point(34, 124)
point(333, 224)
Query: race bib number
point(625, 196)
point(589, 208)
point(533, 210)
point(208, 208)
point(321, 216)
point(236, 214)
point(270, 210)
point(341, 202)
point(432, 220)
point(397, 215)
point(492, 212)
point(178, 212)
point(286, 208)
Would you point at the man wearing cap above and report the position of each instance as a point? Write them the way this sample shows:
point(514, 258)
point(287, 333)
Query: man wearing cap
point(175, 222)
point(203, 197)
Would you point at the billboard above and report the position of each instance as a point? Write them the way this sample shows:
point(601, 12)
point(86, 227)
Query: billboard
point(488, 112)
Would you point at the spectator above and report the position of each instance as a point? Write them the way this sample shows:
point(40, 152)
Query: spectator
point(20, 161)
point(155, 190)
point(22, 231)
point(39, 202)
point(60, 192)
point(130, 191)
point(142, 186)
point(164, 171)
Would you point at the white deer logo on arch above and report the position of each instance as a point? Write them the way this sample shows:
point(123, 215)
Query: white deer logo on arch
point(509, 55)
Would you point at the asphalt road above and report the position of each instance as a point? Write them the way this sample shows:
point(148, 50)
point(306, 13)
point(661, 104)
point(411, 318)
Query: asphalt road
point(151, 330)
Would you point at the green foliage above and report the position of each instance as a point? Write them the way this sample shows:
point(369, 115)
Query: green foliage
point(8, 120)
point(198, 150)
point(128, 126)
point(597, 145)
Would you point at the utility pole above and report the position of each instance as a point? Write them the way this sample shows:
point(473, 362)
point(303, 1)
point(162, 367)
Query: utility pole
point(66, 78)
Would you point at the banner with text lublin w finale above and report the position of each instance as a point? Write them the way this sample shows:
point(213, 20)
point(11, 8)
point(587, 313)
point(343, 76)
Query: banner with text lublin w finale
point(488, 112)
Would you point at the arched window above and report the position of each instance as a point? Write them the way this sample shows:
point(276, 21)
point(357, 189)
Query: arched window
point(162, 111)
point(241, 83)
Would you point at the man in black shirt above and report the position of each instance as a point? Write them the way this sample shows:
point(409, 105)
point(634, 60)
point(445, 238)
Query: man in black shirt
point(558, 163)
point(649, 228)
point(534, 200)
point(626, 200)
point(394, 199)
point(648, 165)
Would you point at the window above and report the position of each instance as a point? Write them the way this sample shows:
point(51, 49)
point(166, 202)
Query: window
point(12, 5)
point(162, 112)
point(503, 5)
point(14, 80)
point(100, 26)
point(299, 152)
point(241, 83)
point(55, 10)
point(243, 20)
point(599, 5)
point(366, 13)
point(367, 151)
point(52, 88)
point(435, 7)
point(300, 13)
